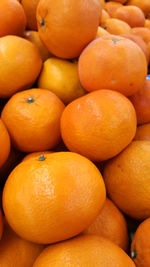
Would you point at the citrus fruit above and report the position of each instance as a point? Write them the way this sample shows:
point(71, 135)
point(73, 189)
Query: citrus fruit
point(82, 251)
point(144, 5)
point(127, 179)
point(92, 124)
point(4, 143)
point(101, 32)
point(32, 118)
point(67, 26)
point(1, 224)
point(104, 17)
point(54, 197)
point(140, 246)
point(143, 132)
point(36, 155)
point(61, 77)
point(116, 26)
point(20, 64)
point(111, 7)
point(143, 32)
point(108, 70)
point(30, 7)
point(110, 224)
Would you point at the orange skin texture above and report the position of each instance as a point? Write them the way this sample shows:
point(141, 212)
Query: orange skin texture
point(141, 244)
point(144, 5)
point(110, 224)
point(35, 206)
point(139, 41)
point(131, 15)
point(104, 115)
point(102, 3)
point(69, 25)
point(15, 251)
point(30, 7)
point(104, 17)
point(116, 26)
point(20, 65)
point(1, 224)
point(34, 38)
point(141, 102)
point(36, 155)
point(4, 143)
point(143, 32)
point(143, 132)
point(12, 17)
point(86, 250)
point(111, 7)
point(147, 24)
point(33, 126)
point(101, 32)
point(120, 1)
point(108, 70)
point(127, 180)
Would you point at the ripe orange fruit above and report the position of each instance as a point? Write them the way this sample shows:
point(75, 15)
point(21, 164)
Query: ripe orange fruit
point(15, 251)
point(4, 143)
point(32, 118)
point(140, 246)
point(20, 65)
point(30, 7)
point(116, 26)
point(132, 15)
point(120, 1)
point(66, 27)
point(139, 41)
point(143, 32)
point(127, 180)
point(53, 198)
point(86, 250)
point(104, 115)
point(104, 17)
point(141, 103)
point(12, 17)
point(36, 155)
point(111, 7)
point(33, 37)
point(147, 24)
point(108, 55)
point(102, 3)
point(110, 224)
point(143, 132)
point(144, 5)
point(1, 224)
point(61, 77)
point(101, 32)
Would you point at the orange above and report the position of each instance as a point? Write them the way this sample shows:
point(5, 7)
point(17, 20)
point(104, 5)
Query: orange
point(30, 7)
point(127, 180)
point(15, 251)
point(12, 161)
point(143, 132)
point(61, 77)
point(102, 3)
point(82, 251)
point(143, 32)
point(12, 17)
point(32, 118)
point(1, 224)
point(111, 7)
point(130, 14)
point(140, 246)
point(104, 17)
point(116, 26)
point(36, 155)
point(108, 55)
point(33, 36)
point(139, 41)
point(110, 224)
point(67, 26)
point(141, 102)
point(147, 24)
point(20, 65)
point(101, 32)
point(4, 143)
point(92, 124)
point(144, 5)
point(120, 1)
point(53, 198)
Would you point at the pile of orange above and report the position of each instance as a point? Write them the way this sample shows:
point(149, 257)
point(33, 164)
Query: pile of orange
point(74, 133)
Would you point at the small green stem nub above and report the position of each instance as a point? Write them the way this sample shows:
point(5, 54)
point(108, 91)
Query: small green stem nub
point(41, 158)
point(30, 100)
point(115, 40)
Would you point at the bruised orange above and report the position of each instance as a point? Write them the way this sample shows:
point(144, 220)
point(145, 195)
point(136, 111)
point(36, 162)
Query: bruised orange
point(67, 26)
